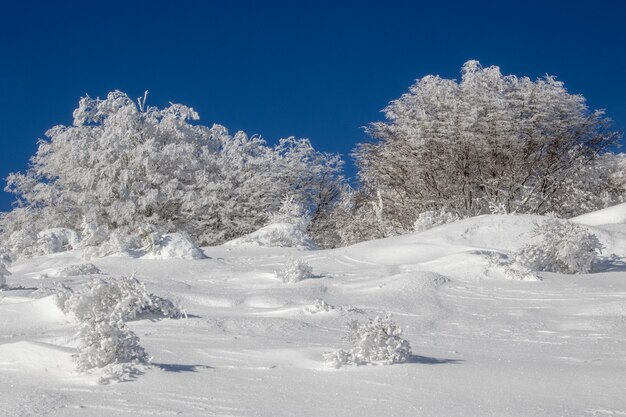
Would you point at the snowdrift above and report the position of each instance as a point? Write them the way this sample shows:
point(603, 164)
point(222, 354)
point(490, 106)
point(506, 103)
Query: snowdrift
point(276, 235)
point(607, 216)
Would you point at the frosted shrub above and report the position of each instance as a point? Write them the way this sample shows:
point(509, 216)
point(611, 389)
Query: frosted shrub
point(56, 240)
point(105, 343)
point(102, 308)
point(319, 306)
point(377, 341)
point(171, 246)
point(295, 271)
point(429, 219)
point(126, 297)
point(76, 270)
point(562, 247)
point(3, 274)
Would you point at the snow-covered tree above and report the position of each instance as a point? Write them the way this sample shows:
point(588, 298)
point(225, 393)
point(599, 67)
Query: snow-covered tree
point(489, 138)
point(127, 170)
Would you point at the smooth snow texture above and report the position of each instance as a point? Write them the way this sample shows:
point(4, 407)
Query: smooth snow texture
point(482, 344)
point(611, 215)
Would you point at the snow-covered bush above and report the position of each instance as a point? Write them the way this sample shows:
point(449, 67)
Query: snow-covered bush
point(429, 219)
point(172, 246)
point(107, 342)
point(126, 297)
point(294, 271)
point(319, 306)
point(102, 308)
point(560, 246)
point(57, 240)
point(4, 273)
point(76, 270)
point(377, 341)
point(276, 235)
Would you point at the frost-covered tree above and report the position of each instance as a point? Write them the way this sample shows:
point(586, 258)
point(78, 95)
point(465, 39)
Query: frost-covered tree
point(488, 138)
point(128, 171)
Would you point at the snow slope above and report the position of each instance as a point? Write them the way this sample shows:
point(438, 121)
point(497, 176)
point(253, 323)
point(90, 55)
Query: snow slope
point(483, 345)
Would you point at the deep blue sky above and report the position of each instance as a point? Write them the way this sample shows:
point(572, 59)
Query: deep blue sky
point(313, 69)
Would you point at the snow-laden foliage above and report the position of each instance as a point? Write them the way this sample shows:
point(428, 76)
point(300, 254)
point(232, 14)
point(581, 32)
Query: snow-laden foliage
point(560, 246)
point(4, 273)
point(429, 219)
point(76, 270)
point(102, 309)
point(287, 228)
point(108, 343)
point(126, 170)
point(526, 145)
point(172, 246)
point(126, 297)
point(295, 271)
point(318, 306)
point(377, 341)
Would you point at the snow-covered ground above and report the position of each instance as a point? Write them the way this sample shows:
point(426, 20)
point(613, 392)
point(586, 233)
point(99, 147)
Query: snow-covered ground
point(483, 344)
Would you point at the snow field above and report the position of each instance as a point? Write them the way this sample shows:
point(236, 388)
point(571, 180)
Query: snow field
point(483, 344)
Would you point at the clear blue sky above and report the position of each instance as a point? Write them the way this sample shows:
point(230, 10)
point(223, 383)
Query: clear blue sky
point(316, 69)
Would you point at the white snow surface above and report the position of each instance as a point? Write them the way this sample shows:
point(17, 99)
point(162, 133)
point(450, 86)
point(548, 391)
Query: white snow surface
point(483, 345)
point(610, 215)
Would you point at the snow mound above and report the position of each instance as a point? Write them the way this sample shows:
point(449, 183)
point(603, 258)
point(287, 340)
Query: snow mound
point(39, 356)
point(610, 215)
point(276, 235)
point(76, 270)
point(174, 246)
point(18, 313)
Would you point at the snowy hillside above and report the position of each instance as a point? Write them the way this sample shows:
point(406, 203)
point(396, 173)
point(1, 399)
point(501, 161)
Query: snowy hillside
point(483, 343)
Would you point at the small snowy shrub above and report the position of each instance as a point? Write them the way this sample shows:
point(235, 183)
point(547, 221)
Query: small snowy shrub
point(3, 274)
point(429, 219)
point(290, 212)
point(106, 342)
point(102, 308)
point(319, 306)
point(171, 246)
point(123, 296)
point(76, 270)
point(377, 341)
point(562, 247)
point(56, 240)
point(498, 208)
point(295, 271)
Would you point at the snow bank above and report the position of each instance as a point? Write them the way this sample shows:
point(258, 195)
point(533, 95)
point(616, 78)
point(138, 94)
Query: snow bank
point(48, 358)
point(174, 246)
point(276, 235)
point(609, 215)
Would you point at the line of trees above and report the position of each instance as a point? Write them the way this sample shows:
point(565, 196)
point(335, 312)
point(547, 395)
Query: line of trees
point(128, 170)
